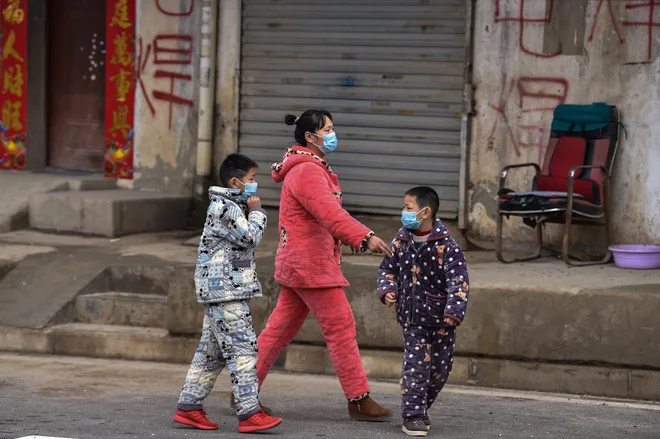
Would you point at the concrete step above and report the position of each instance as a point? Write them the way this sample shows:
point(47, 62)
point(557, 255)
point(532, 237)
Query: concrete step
point(155, 344)
point(115, 308)
point(124, 342)
point(92, 183)
point(110, 212)
point(583, 379)
point(18, 187)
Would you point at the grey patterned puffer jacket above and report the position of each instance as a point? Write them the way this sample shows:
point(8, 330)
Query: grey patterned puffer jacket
point(226, 268)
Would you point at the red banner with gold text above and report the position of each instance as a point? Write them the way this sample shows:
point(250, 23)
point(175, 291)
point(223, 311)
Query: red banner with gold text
point(119, 88)
point(13, 91)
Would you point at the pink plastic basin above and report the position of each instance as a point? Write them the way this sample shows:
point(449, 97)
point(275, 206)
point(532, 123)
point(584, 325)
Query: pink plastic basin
point(636, 256)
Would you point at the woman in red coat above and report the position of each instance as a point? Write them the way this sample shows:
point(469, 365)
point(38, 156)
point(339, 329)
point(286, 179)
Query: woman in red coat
point(313, 225)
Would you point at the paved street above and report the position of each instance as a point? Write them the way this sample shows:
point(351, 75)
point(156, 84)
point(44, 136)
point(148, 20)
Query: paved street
point(105, 399)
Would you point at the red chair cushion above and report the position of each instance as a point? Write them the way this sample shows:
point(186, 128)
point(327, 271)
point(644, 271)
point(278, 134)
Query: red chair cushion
point(587, 188)
point(569, 152)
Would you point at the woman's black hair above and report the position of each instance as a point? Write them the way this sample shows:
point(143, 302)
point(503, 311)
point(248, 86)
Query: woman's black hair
point(310, 120)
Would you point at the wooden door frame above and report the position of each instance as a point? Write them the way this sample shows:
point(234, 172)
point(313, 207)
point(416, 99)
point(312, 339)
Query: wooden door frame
point(37, 88)
point(37, 91)
point(76, 101)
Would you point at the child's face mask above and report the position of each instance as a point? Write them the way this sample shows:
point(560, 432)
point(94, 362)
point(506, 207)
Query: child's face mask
point(250, 189)
point(409, 219)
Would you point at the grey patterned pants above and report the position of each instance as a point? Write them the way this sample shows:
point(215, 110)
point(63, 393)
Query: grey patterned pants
point(228, 338)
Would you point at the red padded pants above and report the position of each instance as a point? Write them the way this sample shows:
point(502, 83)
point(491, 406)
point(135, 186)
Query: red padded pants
point(333, 313)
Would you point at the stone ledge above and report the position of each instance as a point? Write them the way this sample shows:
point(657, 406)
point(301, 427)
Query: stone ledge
point(532, 323)
point(153, 344)
point(495, 373)
point(109, 213)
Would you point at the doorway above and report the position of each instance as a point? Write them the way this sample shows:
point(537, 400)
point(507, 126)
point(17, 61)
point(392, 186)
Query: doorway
point(76, 84)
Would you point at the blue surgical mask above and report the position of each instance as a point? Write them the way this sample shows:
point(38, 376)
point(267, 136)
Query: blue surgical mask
point(409, 220)
point(250, 189)
point(329, 143)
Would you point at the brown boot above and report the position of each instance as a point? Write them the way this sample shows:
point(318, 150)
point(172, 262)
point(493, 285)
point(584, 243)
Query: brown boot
point(367, 409)
point(232, 405)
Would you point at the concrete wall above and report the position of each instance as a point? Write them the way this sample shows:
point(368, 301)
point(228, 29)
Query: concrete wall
point(614, 326)
point(166, 154)
point(587, 51)
point(166, 124)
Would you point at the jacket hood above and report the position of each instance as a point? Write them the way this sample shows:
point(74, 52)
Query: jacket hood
point(235, 195)
point(439, 231)
point(294, 156)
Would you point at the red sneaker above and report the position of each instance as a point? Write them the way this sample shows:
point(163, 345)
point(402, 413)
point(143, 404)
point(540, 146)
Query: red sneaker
point(258, 422)
point(195, 418)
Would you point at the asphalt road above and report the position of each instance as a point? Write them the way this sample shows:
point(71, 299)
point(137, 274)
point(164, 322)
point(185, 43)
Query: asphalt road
point(105, 399)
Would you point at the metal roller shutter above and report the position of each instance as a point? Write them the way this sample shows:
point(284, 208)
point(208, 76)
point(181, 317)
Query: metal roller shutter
point(390, 72)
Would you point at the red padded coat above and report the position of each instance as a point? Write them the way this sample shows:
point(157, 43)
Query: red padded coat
point(313, 223)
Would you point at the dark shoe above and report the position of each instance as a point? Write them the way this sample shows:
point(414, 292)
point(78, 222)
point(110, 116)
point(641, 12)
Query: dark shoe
point(427, 421)
point(414, 427)
point(194, 418)
point(368, 410)
point(232, 405)
point(258, 422)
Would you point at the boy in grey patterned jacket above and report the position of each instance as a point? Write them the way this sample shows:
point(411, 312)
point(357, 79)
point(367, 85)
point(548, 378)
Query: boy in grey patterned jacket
point(225, 281)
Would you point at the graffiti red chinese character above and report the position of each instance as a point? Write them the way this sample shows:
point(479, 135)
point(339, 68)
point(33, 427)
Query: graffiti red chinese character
point(169, 95)
point(649, 23)
point(186, 11)
point(612, 19)
point(173, 49)
point(545, 93)
point(502, 114)
point(523, 20)
point(537, 96)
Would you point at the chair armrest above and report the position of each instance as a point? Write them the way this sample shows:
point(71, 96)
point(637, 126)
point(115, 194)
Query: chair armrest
point(506, 170)
point(571, 173)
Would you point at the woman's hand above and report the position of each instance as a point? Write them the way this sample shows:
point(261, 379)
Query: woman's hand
point(378, 246)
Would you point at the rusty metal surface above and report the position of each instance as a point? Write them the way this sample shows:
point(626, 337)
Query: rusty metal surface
point(391, 72)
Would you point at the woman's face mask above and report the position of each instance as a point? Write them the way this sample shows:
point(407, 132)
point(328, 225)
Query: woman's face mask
point(329, 142)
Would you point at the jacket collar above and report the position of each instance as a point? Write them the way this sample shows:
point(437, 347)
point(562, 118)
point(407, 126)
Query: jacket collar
point(216, 193)
point(294, 156)
point(439, 232)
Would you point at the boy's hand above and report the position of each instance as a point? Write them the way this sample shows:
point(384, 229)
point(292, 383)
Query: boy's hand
point(253, 202)
point(377, 245)
point(389, 299)
point(450, 322)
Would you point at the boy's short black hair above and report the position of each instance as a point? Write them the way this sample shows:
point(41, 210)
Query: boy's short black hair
point(235, 166)
point(426, 197)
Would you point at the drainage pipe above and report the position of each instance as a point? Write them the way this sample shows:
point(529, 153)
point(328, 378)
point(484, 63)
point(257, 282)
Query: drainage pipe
point(464, 167)
point(207, 61)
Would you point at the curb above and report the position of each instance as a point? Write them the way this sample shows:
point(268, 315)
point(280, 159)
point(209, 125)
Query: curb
point(100, 341)
point(498, 373)
point(155, 344)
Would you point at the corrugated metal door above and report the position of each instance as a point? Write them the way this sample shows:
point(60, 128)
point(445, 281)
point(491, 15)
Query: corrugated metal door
point(390, 72)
